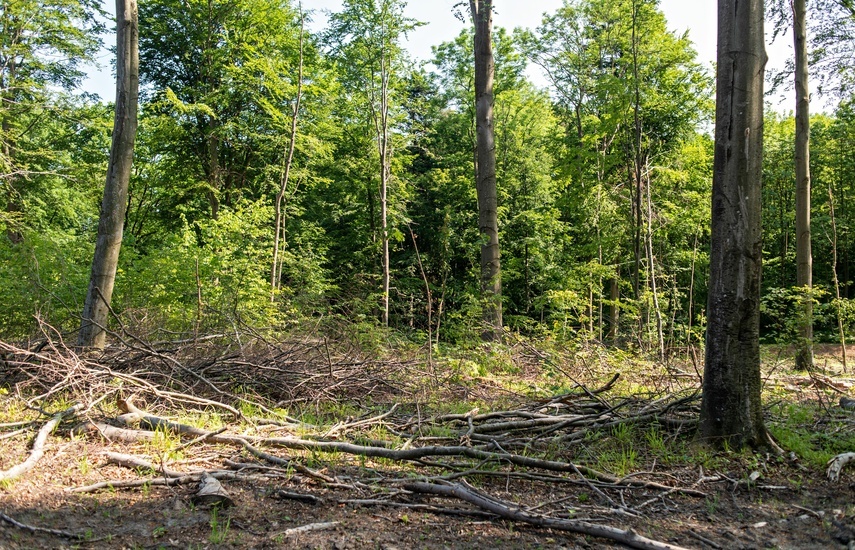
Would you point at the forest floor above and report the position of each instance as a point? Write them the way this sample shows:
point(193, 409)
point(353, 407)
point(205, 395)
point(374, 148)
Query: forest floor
point(539, 447)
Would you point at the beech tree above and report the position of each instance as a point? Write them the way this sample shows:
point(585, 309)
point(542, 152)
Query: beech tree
point(115, 202)
point(485, 170)
point(730, 410)
point(44, 46)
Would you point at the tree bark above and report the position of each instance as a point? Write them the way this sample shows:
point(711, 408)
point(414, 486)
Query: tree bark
point(114, 204)
point(731, 411)
point(804, 261)
point(491, 282)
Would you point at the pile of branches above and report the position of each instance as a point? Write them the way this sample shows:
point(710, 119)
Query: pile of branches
point(215, 370)
point(443, 449)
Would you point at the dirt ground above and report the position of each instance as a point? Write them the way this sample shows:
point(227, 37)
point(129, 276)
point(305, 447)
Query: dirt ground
point(788, 507)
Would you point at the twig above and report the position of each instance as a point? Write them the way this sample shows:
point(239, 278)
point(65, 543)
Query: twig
point(200, 439)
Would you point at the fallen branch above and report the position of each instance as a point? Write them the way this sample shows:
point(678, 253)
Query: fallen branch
point(34, 529)
point(111, 433)
point(836, 465)
point(161, 481)
point(415, 454)
point(307, 528)
point(38, 450)
point(512, 512)
point(299, 497)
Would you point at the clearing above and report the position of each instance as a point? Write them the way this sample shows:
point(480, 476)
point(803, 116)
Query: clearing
point(321, 442)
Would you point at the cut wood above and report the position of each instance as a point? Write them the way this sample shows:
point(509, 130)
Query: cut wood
point(511, 511)
point(211, 493)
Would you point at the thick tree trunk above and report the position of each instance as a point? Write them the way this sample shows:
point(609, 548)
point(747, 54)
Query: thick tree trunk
point(804, 271)
point(730, 410)
point(491, 282)
point(114, 204)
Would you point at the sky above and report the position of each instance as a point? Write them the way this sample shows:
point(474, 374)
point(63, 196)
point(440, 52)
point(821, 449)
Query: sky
point(698, 17)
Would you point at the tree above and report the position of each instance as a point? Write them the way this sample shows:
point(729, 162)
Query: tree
point(485, 170)
point(365, 39)
point(288, 162)
point(631, 95)
point(224, 73)
point(43, 44)
point(731, 410)
point(804, 259)
point(114, 206)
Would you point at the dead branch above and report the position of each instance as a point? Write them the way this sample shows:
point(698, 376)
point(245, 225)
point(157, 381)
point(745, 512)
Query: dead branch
point(512, 512)
point(299, 497)
point(38, 450)
point(34, 529)
point(305, 529)
point(417, 453)
point(137, 463)
point(421, 508)
point(836, 465)
point(162, 481)
point(111, 433)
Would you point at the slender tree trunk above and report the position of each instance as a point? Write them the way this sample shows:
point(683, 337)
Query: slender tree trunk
point(660, 333)
point(384, 185)
point(638, 161)
point(691, 319)
point(614, 307)
point(114, 204)
point(836, 280)
point(488, 222)
point(279, 224)
point(804, 271)
point(731, 411)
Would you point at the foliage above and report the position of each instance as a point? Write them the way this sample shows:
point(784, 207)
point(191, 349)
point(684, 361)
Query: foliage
point(603, 177)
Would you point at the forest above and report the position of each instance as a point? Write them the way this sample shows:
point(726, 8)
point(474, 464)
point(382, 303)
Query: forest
point(318, 232)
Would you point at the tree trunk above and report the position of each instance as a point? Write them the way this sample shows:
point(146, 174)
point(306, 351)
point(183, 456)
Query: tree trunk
point(839, 304)
point(731, 411)
point(491, 282)
point(114, 204)
point(385, 172)
point(278, 222)
point(804, 271)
